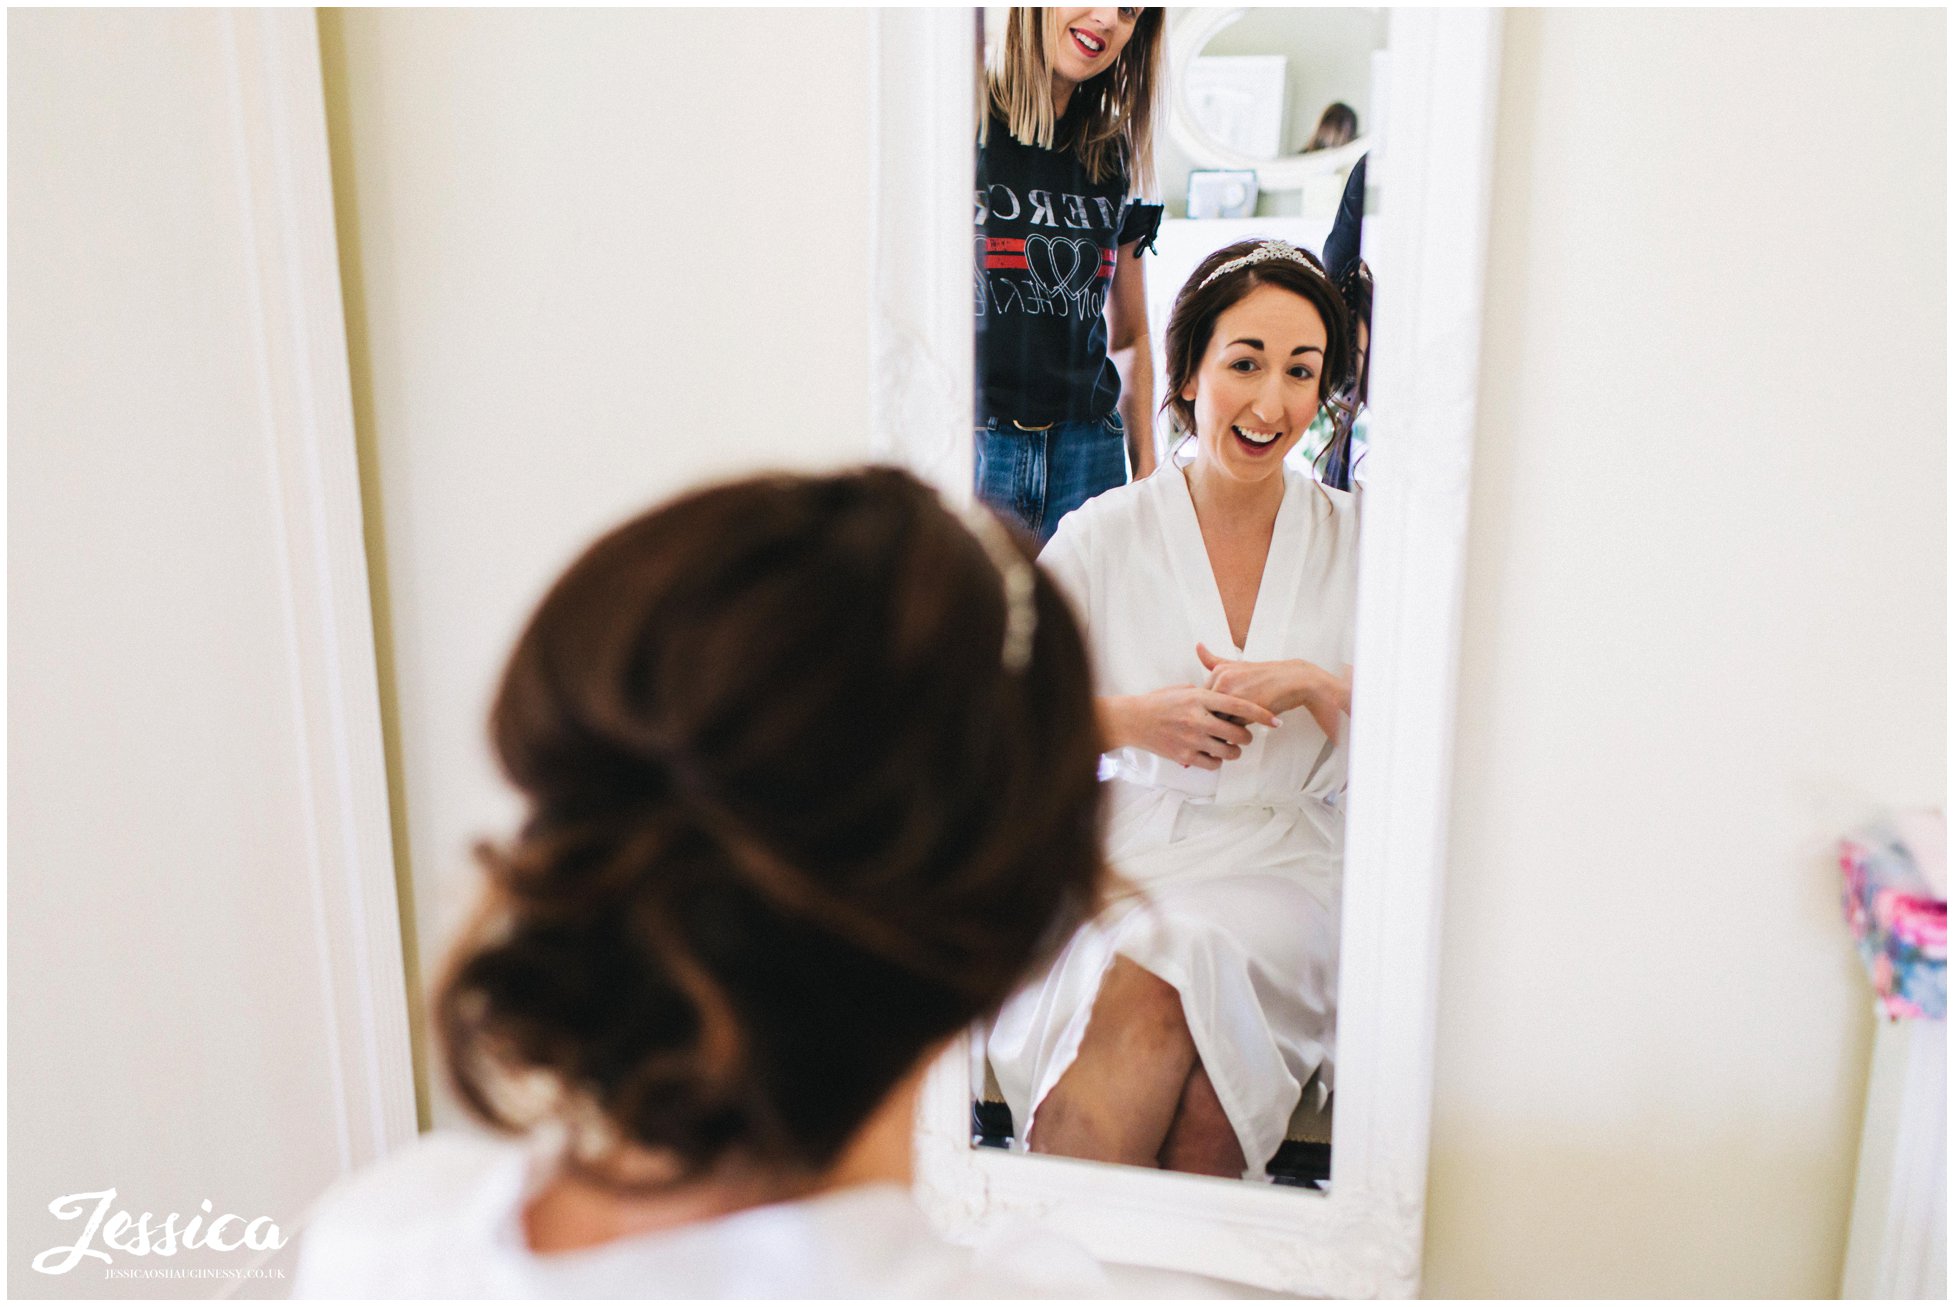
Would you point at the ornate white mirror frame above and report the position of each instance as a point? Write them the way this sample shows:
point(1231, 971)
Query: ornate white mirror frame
point(1188, 33)
point(1430, 181)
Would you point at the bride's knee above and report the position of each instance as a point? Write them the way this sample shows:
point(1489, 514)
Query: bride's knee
point(1200, 1107)
point(1202, 1140)
point(1133, 998)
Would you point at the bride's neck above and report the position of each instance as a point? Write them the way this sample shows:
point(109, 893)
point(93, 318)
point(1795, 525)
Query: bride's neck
point(1225, 501)
point(572, 1212)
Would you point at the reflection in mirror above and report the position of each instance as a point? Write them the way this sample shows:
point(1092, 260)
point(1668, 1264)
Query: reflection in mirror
point(1194, 386)
point(1284, 93)
point(1240, 100)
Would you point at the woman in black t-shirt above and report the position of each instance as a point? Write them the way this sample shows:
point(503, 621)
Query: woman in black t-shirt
point(1064, 369)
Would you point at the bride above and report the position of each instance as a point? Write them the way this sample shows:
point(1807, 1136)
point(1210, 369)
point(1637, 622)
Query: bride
point(1180, 1027)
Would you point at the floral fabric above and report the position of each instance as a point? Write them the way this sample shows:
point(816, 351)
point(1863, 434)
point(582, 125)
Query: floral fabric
point(1898, 921)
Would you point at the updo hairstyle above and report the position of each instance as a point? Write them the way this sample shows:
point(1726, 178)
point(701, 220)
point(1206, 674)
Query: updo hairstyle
point(1190, 325)
point(791, 821)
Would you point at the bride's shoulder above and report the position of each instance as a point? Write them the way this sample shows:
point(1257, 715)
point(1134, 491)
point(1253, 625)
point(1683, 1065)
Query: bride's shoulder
point(1081, 534)
point(1113, 512)
point(1326, 501)
point(414, 1185)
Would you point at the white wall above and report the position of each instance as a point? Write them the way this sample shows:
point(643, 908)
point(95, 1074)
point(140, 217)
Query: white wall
point(172, 936)
point(1705, 634)
point(592, 257)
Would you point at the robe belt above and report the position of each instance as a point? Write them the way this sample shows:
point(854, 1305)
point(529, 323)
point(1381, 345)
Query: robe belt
point(1157, 826)
point(1119, 770)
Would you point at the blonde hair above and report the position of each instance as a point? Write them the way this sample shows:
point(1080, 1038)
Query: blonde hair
point(1110, 122)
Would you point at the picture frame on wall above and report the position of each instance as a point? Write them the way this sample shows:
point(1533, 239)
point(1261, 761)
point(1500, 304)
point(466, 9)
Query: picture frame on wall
point(1242, 100)
point(1221, 193)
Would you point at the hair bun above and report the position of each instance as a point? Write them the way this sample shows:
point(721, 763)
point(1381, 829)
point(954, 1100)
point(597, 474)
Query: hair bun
point(791, 820)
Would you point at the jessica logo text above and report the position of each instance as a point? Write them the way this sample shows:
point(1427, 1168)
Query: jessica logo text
point(140, 1238)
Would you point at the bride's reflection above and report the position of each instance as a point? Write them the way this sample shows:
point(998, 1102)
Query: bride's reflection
point(1180, 1028)
point(1192, 1025)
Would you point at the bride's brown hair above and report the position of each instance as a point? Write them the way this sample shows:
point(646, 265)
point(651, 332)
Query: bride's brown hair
point(794, 817)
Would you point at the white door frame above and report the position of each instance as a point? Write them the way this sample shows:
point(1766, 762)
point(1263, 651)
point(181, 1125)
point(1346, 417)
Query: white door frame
point(285, 174)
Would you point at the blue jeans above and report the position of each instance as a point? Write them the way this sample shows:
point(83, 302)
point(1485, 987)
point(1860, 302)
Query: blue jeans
point(1034, 478)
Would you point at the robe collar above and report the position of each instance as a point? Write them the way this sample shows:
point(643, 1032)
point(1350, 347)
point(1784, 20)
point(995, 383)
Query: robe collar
point(1275, 598)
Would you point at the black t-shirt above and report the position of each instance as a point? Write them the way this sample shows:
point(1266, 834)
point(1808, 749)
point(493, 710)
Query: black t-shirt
point(1047, 240)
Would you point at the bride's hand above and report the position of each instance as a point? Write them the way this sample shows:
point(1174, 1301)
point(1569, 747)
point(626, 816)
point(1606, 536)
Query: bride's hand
point(1280, 686)
point(1187, 724)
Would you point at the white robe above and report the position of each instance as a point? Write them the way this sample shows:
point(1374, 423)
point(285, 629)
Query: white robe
point(1237, 870)
point(444, 1218)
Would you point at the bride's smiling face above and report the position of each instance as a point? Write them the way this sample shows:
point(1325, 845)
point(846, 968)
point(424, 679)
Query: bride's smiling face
point(1260, 383)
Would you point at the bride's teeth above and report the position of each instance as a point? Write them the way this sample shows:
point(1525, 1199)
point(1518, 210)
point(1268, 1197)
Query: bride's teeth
point(1257, 438)
point(1091, 44)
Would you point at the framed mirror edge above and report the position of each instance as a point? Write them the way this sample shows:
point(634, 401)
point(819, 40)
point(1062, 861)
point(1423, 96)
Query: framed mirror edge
point(1364, 1238)
point(922, 334)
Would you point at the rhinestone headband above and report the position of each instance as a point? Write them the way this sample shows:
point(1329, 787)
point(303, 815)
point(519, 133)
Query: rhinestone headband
point(1262, 253)
point(1020, 586)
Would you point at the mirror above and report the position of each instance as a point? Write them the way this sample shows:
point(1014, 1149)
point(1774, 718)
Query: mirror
point(1191, 1026)
point(1286, 93)
point(1431, 119)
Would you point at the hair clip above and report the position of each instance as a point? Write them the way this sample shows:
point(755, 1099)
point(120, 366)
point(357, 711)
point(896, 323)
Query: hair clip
point(1020, 585)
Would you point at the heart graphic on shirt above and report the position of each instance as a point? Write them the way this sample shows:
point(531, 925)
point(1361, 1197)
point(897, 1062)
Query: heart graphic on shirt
point(1062, 266)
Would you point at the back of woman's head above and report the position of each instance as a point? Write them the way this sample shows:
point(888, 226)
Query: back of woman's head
point(1337, 126)
point(800, 805)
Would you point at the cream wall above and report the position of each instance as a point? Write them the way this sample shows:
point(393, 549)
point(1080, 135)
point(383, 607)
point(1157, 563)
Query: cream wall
point(591, 257)
point(1704, 635)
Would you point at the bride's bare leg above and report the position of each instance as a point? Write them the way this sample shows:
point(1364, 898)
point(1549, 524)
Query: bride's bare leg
point(1200, 1141)
point(1118, 1098)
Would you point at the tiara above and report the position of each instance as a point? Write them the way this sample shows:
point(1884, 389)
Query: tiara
point(1020, 608)
point(1262, 253)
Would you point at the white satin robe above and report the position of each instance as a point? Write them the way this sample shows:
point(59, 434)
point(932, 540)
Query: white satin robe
point(1235, 873)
